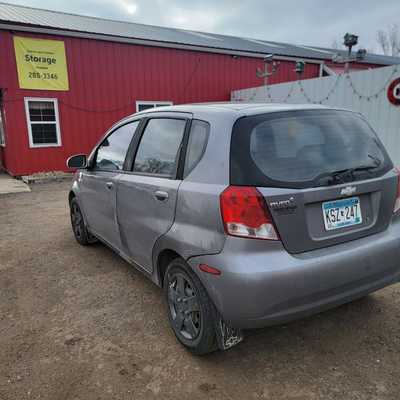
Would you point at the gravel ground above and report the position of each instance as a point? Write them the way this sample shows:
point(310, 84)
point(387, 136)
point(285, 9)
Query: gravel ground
point(80, 323)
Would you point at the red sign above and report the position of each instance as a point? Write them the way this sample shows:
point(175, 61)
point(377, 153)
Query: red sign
point(394, 92)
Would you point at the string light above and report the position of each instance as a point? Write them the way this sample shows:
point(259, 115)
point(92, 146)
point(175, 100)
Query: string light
point(286, 98)
point(331, 91)
point(376, 94)
point(325, 97)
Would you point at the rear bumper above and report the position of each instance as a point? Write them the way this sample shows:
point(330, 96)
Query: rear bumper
point(262, 284)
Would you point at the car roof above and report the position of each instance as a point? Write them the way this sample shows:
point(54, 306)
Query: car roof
point(234, 108)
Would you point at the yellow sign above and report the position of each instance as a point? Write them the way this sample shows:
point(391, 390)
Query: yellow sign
point(41, 64)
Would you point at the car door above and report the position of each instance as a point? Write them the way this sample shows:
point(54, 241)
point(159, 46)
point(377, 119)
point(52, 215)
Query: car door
point(99, 182)
point(146, 197)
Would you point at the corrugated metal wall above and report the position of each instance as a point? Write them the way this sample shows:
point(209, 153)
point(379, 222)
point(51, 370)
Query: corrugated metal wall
point(106, 79)
point(364, 91)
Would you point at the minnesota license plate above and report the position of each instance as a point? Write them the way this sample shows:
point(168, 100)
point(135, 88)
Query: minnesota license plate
point(341, 213)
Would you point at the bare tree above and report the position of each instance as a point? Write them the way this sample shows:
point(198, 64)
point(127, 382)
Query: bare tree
point(383, 41)
point(389, 40)
point(394, 40)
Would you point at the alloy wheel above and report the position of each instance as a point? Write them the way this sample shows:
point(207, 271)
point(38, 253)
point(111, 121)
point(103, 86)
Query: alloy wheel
point(184, 306)
point(76, 220)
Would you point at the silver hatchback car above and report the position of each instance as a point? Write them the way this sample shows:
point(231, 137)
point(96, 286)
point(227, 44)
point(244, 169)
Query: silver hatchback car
point(246, 215)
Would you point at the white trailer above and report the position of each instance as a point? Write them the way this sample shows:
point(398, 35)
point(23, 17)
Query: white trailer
point(375, 93)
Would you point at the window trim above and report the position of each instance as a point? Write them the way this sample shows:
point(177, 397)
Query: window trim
point(29, 122)
point(162, 102)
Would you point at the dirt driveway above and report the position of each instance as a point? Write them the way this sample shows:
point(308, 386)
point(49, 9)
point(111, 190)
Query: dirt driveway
point(80, 323)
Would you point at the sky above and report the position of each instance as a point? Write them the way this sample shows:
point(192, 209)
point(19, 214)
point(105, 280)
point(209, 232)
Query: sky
point(307, 22)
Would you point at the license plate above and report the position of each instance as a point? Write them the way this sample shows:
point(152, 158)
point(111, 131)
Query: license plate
point(341, 213)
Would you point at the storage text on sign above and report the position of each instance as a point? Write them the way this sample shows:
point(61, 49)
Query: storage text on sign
point(41, 64)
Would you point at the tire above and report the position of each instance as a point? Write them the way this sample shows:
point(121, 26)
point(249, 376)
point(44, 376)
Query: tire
point(190, 310)
point(82, 235)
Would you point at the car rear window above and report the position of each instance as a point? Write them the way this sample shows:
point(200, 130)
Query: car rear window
point(296, 148)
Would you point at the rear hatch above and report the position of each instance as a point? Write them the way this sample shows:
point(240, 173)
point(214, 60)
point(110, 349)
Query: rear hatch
point(324, 175)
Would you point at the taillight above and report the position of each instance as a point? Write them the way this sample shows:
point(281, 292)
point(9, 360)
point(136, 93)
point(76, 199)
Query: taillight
point(397, 202)
point(245, 213)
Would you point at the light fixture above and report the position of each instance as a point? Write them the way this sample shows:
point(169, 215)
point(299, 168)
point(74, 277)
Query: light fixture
point(350, 40)
point(300, 65)
point(361, 53)
point(270, 67)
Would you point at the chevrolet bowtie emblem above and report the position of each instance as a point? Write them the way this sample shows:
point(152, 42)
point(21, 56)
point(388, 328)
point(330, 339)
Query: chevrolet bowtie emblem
point(348, 191)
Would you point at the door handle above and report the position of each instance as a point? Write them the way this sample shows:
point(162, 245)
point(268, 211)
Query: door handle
point(109, 185)
point(161, 195)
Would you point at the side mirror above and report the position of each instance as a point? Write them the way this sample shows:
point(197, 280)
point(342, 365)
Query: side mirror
point(77, 161)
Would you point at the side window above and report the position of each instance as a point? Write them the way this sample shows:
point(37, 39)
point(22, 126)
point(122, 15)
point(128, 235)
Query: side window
point(112, 152)
point(197, 144)
point(158, 151)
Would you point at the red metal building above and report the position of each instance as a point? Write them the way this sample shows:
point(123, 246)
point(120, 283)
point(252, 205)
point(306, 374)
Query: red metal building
point(113, 68)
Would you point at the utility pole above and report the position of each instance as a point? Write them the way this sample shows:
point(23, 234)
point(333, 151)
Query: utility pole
point(349, 40)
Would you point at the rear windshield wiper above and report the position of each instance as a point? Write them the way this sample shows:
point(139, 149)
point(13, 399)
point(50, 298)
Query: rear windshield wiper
point(339, 176)
point(377, 161)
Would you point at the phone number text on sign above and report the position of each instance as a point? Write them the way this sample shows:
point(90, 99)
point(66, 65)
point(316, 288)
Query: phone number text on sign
point(43, 75)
